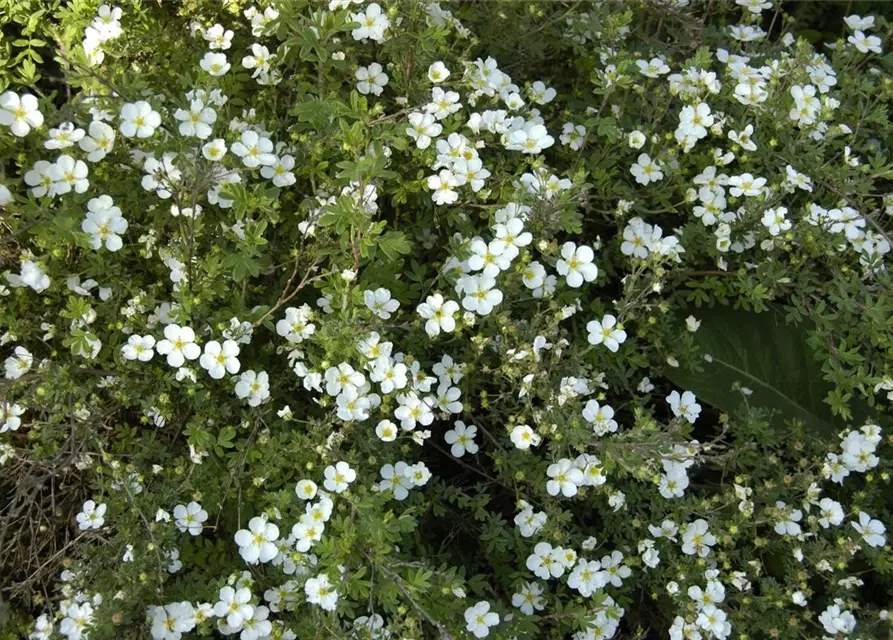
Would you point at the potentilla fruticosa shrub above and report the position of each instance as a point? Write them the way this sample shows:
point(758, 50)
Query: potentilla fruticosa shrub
point(515, 320)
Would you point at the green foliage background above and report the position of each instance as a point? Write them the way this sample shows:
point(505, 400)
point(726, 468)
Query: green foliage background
point(805, 331)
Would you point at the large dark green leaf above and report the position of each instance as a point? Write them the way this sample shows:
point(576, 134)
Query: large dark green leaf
point(766, 355)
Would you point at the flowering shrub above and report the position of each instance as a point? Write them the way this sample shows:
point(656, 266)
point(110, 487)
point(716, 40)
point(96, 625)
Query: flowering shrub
point(416, 320)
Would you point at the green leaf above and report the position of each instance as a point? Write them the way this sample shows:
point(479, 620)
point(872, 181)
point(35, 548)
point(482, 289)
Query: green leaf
point(225, 437)
point(393, 243)
point(764, 354)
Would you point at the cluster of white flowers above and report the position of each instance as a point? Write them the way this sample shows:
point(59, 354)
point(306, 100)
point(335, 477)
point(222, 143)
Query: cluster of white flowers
point(378, 384)
point(857, 454)
point(106, 26)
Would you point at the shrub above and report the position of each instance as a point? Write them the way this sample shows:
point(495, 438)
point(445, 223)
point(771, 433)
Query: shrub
point(508, 320)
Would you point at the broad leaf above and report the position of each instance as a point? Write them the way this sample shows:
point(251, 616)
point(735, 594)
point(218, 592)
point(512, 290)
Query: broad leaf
point(764, 354)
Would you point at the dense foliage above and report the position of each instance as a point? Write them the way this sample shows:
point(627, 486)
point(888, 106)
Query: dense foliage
point(489, 319)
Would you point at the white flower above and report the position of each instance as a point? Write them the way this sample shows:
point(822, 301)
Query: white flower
point(389, 374)
point(775, 221)
point(864, 43)
point(544, 562)
point(743, 138)
point(218, 37)
point(178, 345)
point(412, 410)
point(233, 606)
point(190, 518)
point(529, 599)
point(10, 419)
point(40, 179)
point(254, 150)
point(139, 119)
point(685, 405)
point(91, 516)
point(531, 138)
point(755, 6)
point(259, 60)
point(858, 23)
point(371, 79)
point(461, 439)
point(19, 114)
point(636, 139)
point(490, 258)
point(443, 103)
point(161, 176)
point(255, 387)
point(64, 136)
point(418, 474)
point(439, 314)
point(600, 416)
point(614, 571)
point(339, 477)
point(197, 120)
point(872, 531)
point(576, 264)
point(479, 619)
point(394, 479)
point(797, 179)
point(78, 617)
point(104, 223)
point(99, 141)
point(380, 302)
point(697, 539)
point(67, 174)
point(837, 622)
point(649, 554)
point(510, 237)
point(256, 543)
point(422, 128)
point(107, 22)
point(438, 72)
point(18, 364)
point(541, 94)
point(534, 275)
point(443, 186)
point(481, 294)
point(341, 377)
point(215, 64)
point(43, 628)
point(296, 326)
point(746, 185)
point(31, 275)
point(566, 479)
point(653, 68)
point(523, 437)
point(215, 149)
point(787, 519)
point(830, 513)
point(606, 332)
point(280, 172)
point(260, 21)
point(573, 135)
point(646, 170)
point(373, 24)
point(92, 47)
point(386, 431)
point(140, 348)
point(528, 522)
point(218, 360)
point(320, 591)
